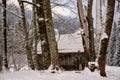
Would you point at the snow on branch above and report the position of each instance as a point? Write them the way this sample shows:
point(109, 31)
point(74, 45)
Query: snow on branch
point(42, 19)
point(10, 11)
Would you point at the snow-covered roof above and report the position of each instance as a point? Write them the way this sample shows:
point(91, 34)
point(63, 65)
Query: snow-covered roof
point(68, 43)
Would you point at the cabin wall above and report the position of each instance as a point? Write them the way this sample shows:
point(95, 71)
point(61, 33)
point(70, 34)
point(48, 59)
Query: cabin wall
point(70, 60)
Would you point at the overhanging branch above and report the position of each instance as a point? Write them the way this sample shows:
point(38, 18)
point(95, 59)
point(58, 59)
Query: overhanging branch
point(30, 3)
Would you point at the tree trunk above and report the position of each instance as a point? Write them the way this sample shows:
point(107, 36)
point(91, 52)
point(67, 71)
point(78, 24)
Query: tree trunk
point(36, 58)
point(43, 35)
point(84, 26)
point(27, 43)
point(98, 25)
point(105, 41)
point(91, 30)
point(50, 33)
point(1, 62)
point(109, 16)
point(102, 58)
point(5, 35)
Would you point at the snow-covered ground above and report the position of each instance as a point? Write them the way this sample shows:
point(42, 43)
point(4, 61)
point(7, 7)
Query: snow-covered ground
point(113, 73)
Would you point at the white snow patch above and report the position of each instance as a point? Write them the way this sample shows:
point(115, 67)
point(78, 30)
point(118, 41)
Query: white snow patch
point(41, 19)
point(113, 73)
point(81, 31)
point(51, 69)
point(25, 68)
point(96, 63)
point(104, 35)
point(43, 42)
point(38, 5)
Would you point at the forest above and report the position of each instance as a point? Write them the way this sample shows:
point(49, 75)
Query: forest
point(59, 39)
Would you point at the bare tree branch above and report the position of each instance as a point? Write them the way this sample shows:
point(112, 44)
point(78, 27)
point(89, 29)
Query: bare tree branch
point(30, 3)
point(13, 29)
point(10, 11)
point(7, 28)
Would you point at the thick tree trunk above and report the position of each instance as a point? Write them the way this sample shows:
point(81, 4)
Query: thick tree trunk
point(98, 25)
point(43, 35)
point(102, 58)
point(84, 26)
point(51, 35)
point(27, 43)
point(91, 30)
point(105, 41)
point(36, 58)
point(109, 16)
point(5, 35)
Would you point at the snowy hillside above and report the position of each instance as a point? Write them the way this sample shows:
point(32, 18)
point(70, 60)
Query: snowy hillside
point(113, 73)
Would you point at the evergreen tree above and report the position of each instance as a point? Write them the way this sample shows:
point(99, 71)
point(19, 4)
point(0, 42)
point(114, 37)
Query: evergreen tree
point(117, 53)
point(112, 46)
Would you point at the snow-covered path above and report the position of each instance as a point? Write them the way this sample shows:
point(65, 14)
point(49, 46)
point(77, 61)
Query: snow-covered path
point(113, 73)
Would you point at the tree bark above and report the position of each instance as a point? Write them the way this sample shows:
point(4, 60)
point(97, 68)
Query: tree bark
point(102, 58)
point(1, 62)
point(43, 35)
point(36, 58)
point(98, 25)
point(84, 26)
point(51, 35)
point(27, 43)
point(91, 30)
point(109, 16)
point(5, 35)
point(105, 41)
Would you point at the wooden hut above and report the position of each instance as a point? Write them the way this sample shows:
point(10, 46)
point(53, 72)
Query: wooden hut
point(71, 51)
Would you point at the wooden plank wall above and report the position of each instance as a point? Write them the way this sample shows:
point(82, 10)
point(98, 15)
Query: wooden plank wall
point(70, 60)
